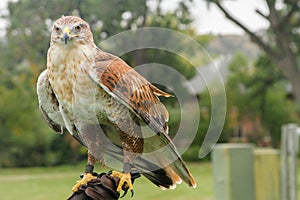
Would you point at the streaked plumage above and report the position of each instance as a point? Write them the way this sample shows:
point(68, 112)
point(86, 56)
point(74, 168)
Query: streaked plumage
point(102, 101)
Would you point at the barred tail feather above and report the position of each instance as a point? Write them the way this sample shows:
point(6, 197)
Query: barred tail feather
point(178, 168)
point(164, 177)
point(159, 168)
point(168, 176)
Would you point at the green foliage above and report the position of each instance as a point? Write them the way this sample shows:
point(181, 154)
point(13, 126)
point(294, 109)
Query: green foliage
point(259, 92)
point(20, 132)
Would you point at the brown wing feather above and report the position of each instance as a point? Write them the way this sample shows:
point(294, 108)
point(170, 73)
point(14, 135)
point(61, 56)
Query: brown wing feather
point(135, 91)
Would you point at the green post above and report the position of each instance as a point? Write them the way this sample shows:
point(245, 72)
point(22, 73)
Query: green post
point(233, 172)
point(289, 161)
point(267, 174)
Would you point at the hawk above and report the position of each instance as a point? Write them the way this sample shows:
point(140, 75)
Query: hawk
point(104, 104)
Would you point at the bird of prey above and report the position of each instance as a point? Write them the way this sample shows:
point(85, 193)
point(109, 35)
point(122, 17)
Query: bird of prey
point(103, 103)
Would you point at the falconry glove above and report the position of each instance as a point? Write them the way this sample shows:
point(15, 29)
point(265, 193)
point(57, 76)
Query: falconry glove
point(104, 187)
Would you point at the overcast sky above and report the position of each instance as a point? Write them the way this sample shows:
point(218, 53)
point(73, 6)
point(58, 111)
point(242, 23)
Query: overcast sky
point(211, 20)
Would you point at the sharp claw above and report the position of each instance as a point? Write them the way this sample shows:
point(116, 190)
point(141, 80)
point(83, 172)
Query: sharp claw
point(124, 194)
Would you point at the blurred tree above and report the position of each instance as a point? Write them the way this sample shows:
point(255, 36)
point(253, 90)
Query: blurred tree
point(259, 90)
point(281, 43)
point(20, 131)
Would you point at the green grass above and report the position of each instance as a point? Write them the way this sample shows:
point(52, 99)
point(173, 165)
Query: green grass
point(56, 183)
point(45, 183)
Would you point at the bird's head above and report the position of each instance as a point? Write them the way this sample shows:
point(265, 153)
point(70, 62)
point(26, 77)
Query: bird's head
point(71, 29)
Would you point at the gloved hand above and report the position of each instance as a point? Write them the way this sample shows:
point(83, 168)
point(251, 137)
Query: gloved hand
point(102, 188)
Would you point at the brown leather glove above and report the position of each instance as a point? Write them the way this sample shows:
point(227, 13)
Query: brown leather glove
point(102, 188)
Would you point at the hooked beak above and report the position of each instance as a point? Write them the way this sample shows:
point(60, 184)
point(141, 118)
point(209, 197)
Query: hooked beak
point(66, 35)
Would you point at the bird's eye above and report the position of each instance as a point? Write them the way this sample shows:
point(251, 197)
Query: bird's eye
point(56, 29)
point(77, 28)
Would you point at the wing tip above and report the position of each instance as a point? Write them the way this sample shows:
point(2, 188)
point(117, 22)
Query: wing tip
point(192, 181)
point(159, 92)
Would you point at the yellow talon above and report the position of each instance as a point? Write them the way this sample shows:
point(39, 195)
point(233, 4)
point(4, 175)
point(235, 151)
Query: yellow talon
point(85, 179)
point(125, 178)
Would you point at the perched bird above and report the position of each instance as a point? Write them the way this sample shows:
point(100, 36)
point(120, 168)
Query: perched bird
point(102, 102)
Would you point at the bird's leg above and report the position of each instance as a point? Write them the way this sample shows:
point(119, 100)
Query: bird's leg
point(90, 164)
point(88, 173)
point(132, 144)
